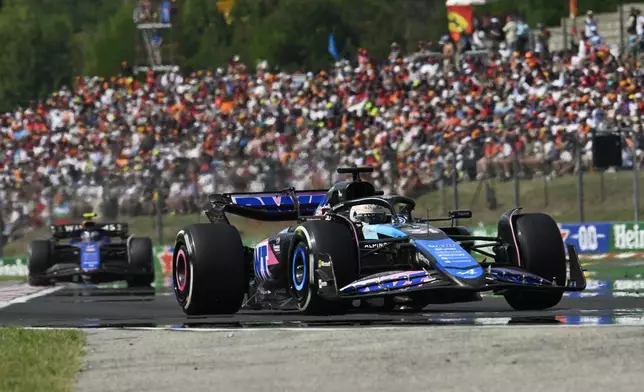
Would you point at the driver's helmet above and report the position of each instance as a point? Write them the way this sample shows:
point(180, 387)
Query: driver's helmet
point(372, 214)
point(88, 225)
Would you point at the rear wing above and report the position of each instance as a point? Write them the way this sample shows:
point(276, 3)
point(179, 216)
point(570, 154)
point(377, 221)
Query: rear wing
point(269, 206)
point(73, 230)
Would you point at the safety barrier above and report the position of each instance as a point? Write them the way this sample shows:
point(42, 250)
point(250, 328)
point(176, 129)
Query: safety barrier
point(593, 240)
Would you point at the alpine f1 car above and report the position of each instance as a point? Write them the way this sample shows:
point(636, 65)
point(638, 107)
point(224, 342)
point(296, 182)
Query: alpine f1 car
point(91, 252)
point(351, 243)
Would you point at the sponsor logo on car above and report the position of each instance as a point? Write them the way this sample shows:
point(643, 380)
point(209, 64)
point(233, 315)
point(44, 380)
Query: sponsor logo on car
point(322, 263)
point(374, 246)
point(469, 272)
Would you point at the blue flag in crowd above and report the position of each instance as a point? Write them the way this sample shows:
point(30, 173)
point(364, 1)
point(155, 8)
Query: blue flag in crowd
point(332, 49)
point(164, 9)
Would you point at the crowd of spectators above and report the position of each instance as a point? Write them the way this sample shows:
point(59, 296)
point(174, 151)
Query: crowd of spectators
point(415, 118)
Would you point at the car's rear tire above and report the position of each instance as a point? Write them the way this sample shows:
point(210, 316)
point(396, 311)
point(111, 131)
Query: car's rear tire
point(208, 271)
point(312, 239)
point(542, 253)
point(40, 253)
point(141, 259)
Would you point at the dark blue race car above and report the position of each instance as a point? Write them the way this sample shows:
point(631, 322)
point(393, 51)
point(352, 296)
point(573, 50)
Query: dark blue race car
point(352, 243)
point(93, 253)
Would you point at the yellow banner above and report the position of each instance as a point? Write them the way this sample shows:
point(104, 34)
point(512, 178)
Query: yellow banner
point(225, 6)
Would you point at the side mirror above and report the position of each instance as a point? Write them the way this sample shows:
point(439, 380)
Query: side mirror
point(460, 214)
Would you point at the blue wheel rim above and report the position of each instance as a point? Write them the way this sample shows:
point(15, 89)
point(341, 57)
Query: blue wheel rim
point(299, 264)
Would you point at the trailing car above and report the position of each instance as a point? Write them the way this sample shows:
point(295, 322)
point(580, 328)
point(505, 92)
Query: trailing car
point(91, 252)
point(351, 243)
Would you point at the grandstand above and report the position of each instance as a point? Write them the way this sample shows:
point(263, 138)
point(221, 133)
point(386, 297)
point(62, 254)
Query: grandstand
point(611, 25)
point(239, 128)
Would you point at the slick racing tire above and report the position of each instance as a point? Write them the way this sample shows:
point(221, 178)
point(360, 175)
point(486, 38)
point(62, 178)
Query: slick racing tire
point(311, 240)
point(542, 253)
point(208, 270)
point(40, 254)
point(141, 259)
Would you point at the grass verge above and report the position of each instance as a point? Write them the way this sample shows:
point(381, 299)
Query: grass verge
point(11, 278)
point(39, 360)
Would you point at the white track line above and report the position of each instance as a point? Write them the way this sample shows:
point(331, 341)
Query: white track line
point(625, 323)
point(25, 298)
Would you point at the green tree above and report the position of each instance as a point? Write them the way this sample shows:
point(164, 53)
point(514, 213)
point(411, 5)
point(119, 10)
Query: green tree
point(203, 34)
point(293, 34)
point(35, 54)
point(47, 42)
point(112, 43)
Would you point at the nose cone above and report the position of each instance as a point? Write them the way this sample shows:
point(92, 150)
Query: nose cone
point(451, 259)
point(473, 277)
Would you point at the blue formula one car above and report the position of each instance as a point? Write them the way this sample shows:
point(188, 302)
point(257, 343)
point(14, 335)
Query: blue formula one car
point(353, 243)
point(91, 252)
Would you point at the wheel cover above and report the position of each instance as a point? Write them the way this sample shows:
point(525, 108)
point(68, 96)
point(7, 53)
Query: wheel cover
point(181, 268)
point(181, 275)
point(299, 271)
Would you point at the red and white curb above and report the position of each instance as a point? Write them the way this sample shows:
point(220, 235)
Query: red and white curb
point(22, 293)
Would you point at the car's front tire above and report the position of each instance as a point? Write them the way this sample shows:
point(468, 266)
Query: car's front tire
point(40, 253)
point(333, 239)
point(542, 253)
point(141, 259)
point(208, 271)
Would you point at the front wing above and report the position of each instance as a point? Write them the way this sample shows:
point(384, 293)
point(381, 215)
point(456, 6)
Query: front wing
point(67, 271)
point(498, 278)
point(107, 264)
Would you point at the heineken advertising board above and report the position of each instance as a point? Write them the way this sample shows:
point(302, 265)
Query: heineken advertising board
point(627, 237)
point(587, 238)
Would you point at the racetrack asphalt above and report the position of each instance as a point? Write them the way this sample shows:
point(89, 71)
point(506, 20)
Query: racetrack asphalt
point(603, 302)
point(92, 307)
point(141, 341)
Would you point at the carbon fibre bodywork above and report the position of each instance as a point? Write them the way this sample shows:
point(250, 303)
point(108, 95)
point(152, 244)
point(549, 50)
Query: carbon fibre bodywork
point(99, 255)
point(405, 258)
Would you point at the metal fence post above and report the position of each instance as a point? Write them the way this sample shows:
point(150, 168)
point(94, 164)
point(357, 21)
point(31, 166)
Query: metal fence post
point(545, 191)
point(621, 26)
point(636, 181)
point(455, 184)
point(159, 216)
point(1, 235)
point(564, 27)
point(443, 195)
point(580, 181)
point(602, 189)
point(515, 174)
point(50, 205)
